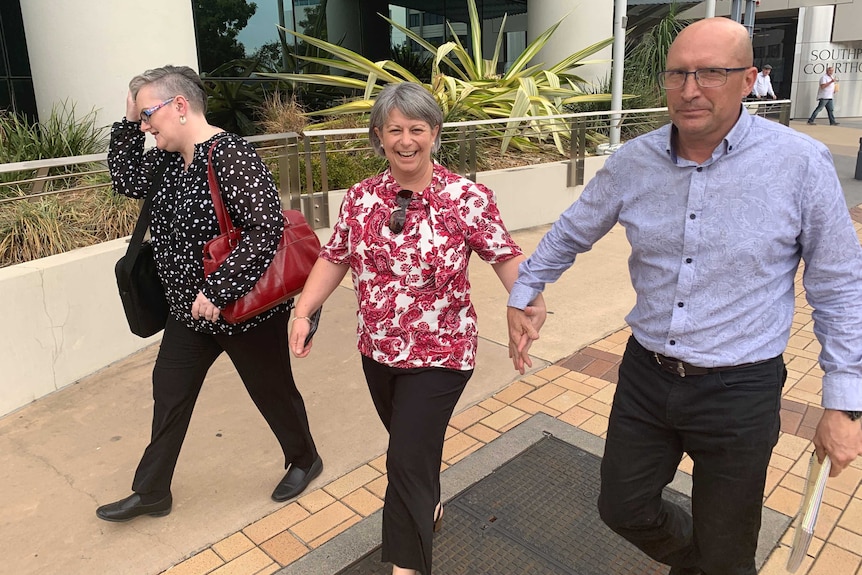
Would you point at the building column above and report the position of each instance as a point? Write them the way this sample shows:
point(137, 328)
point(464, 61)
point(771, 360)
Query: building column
point(86, 51)
point(358, 27)
point(587, 24)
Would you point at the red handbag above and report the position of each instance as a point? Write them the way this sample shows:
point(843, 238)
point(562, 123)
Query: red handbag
point(283, 279)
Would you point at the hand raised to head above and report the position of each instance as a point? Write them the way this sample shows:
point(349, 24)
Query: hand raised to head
point(132, 112)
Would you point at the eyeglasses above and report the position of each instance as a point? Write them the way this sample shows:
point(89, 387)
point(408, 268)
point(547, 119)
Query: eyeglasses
point(705, 77)
point(145, 114)
point(399, 215)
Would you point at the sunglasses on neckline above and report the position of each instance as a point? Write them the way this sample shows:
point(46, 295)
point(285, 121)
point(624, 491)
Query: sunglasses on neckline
point(399, 214)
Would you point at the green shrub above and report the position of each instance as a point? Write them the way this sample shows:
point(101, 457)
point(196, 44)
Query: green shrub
point(280, 113)
point(62, 135)
point(103, 215)
point(32, 229)
point(39, 227)
point(345, 169)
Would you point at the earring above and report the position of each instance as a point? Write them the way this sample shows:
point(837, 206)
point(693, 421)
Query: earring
point(182, 119)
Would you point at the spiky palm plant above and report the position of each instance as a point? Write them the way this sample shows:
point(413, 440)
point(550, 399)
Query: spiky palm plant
point(474, 90)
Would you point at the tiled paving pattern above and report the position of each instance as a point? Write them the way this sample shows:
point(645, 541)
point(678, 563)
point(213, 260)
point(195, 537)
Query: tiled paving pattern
point(579, 391)
point(518, 521)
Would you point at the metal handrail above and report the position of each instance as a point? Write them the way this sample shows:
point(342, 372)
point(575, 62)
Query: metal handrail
point(297, 155)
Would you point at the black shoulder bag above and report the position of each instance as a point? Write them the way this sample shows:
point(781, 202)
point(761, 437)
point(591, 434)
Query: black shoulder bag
point(140, 288)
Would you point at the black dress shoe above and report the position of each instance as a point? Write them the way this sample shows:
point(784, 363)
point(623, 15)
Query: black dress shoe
point(296, 480)
point(132, 506)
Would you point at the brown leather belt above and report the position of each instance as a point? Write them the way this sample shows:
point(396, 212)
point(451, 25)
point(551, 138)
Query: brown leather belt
point(682, 369)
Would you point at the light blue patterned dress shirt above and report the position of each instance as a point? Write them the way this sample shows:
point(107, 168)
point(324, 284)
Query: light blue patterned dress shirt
point(716, 247)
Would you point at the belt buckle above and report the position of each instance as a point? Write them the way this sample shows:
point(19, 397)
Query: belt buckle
point(680, 367)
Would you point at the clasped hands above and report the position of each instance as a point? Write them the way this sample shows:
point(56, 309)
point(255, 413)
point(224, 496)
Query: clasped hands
point(524, 326)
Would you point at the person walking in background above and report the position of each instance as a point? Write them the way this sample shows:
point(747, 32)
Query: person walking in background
point(763, 84)
point(407, 235)
point(713, 266)
point(825, 95)
point(169, 103)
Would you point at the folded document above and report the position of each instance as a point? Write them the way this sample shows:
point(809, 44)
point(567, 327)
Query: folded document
point(807, 517)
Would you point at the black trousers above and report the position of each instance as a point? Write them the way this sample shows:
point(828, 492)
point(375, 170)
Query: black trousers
point(261, 358)
point(415, 406)
point(728, 422)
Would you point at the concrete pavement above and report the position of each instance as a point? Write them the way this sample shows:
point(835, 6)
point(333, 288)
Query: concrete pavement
point(67, 453)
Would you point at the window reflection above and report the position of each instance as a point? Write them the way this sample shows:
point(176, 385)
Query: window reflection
point(16, 82)
point(261, 38)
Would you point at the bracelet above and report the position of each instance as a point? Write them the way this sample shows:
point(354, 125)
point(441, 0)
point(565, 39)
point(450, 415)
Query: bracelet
point(306, 318)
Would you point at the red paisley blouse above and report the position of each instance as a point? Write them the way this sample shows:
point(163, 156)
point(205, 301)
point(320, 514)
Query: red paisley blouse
point(412, 287)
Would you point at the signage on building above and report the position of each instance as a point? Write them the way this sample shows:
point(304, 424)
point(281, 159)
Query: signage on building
point(810, 64)
point(845, 58)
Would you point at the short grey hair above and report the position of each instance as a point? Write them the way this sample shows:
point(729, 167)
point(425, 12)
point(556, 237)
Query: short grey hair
point(767, 67)
point(170, 81)
point(410, 99)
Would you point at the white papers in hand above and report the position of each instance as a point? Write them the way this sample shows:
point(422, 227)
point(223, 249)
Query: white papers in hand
point(807, 516)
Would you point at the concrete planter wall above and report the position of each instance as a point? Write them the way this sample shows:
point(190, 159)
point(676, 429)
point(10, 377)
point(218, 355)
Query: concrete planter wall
point(63, 319)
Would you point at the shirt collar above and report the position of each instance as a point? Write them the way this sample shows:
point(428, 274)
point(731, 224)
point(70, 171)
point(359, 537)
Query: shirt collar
point(438, 181)
point(731, 141)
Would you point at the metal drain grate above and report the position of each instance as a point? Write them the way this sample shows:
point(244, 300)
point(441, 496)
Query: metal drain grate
point(535, 515)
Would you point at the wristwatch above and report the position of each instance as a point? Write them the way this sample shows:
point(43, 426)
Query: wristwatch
point(854, 415)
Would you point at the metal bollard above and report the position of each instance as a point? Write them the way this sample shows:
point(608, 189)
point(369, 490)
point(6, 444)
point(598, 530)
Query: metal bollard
point(858, 175)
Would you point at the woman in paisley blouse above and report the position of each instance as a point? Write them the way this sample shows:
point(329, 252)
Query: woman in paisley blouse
point(406, 235)
point(169, 103)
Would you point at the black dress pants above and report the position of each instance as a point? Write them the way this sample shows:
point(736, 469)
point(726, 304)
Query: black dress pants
point(728, 422)
point(415, 406)
point(262, 359)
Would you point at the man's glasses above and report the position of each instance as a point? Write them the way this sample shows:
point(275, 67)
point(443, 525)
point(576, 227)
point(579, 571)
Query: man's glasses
point(145, 114)
point(399, 215)
point(705, 77)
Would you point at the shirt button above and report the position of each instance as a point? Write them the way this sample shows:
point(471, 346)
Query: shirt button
point(672, 342)
point(688, 260)
point(680, 304)
point(699, 169)
point(730, 148)
point(691, 216)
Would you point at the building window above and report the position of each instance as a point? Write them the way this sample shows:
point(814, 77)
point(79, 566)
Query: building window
point(431, 19)
point(16, 81)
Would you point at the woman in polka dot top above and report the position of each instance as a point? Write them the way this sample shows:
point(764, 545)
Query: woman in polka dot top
point(169, 103)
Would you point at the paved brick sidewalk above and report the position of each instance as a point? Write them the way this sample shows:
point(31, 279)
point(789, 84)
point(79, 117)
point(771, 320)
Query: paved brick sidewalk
point(577, 390)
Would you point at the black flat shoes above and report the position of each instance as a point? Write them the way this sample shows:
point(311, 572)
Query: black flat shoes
point(132, 506)
point(296, 480)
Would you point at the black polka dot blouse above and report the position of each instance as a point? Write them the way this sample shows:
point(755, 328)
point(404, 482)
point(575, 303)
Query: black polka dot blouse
point(183, 218)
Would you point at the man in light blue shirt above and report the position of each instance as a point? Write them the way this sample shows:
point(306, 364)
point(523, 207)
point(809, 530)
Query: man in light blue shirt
point(713, 264)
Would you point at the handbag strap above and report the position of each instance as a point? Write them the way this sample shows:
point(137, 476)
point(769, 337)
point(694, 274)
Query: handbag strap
point(138, 235)
point(224, 222)
point(144, 218)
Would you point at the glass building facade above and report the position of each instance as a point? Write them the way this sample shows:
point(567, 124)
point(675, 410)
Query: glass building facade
point(430, 19)
point(16, 82)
